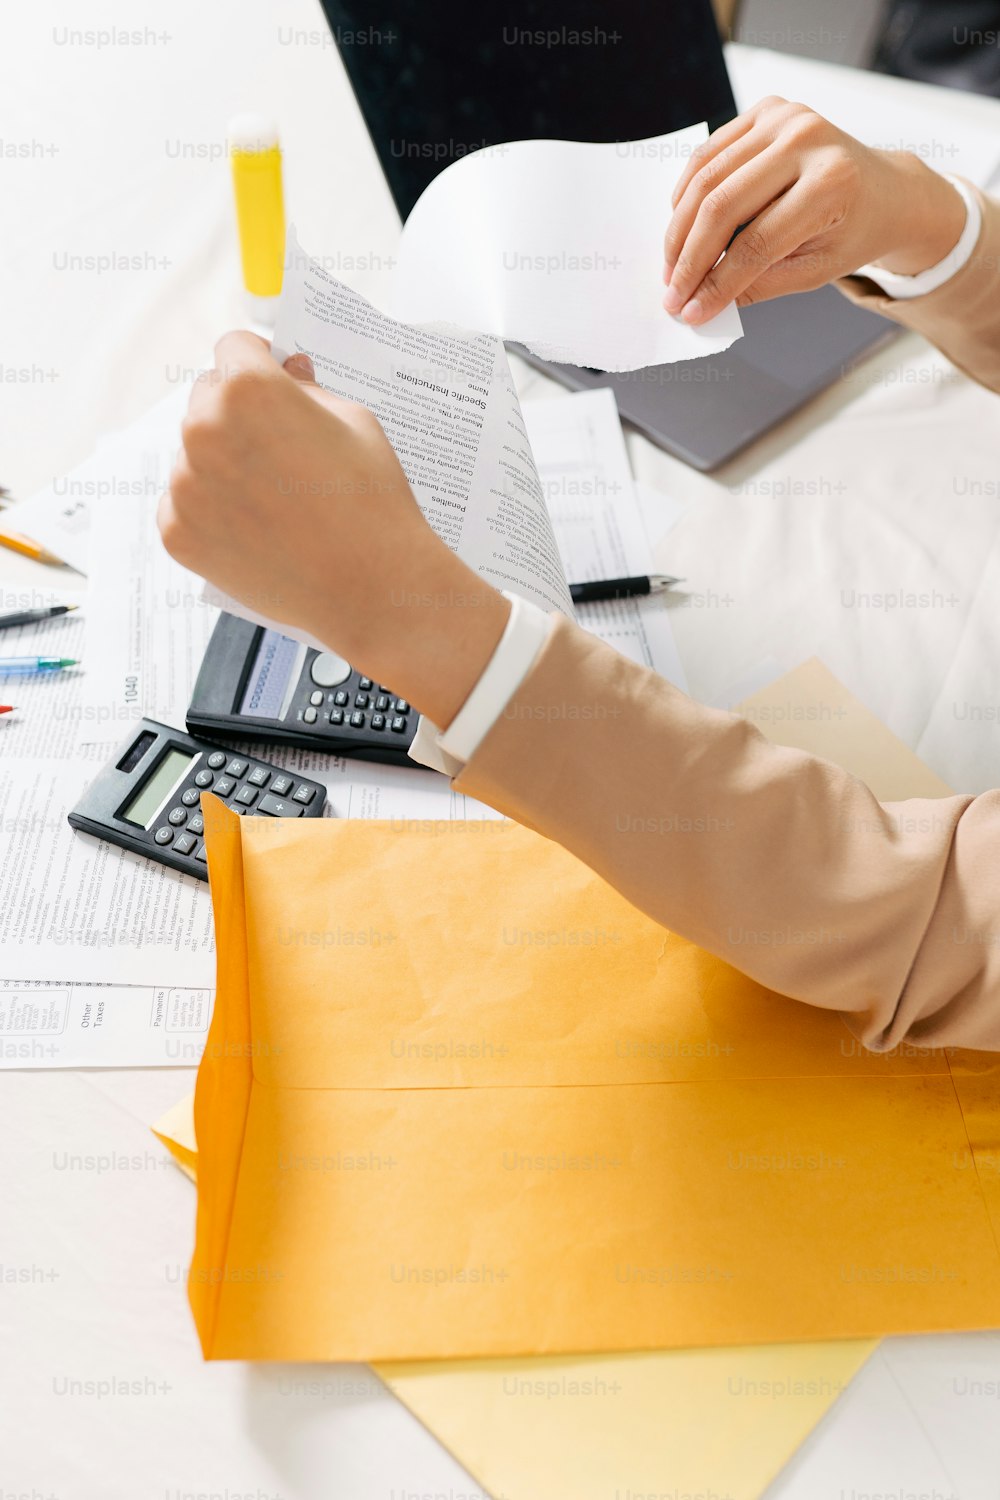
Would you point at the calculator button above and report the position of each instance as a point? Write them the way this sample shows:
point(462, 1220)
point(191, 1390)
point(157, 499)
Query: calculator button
point(278, 807)
point(247, 795)
point(202, 855)
point(361, 700)
point(381, 703)
point(164, 835)
point(217, 760)
point(378, 721)
point(398, 725)
point(204, 778)
point(304, 794)
point(177, 816)
point(223, 786)
point(237, 768)
point(197, 824)
point(259, 776)
point(282, 785)
point(365, 682)
point(341, 699)
point(184, 843)
point(191, 797)
point(316, 698)
point(327, 669)
point(357, 719)
point(336, 716)
point(309, 716)
point(402, 707)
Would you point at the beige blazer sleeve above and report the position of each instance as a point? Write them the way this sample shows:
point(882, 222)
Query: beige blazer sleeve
point(780, 863)
point(962, 317)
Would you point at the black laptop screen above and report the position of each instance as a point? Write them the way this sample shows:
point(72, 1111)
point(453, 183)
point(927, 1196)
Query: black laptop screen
point(436, 80)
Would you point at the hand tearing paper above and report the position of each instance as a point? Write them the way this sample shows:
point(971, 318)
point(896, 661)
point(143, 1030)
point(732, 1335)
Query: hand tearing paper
point(557, 245)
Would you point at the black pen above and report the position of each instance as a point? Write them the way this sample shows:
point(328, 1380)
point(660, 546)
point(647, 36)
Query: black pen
point(621, 588)
point(33, 616)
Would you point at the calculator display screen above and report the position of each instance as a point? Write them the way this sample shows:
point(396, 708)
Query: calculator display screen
point(157, 788)
point(273, 676)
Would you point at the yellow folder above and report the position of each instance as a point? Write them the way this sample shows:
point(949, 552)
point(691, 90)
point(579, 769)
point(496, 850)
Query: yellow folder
point(461, 1099)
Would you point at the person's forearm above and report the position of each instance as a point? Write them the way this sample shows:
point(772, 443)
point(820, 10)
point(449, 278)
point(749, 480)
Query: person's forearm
point(963, 316)
point(779, 862)
point(928, 219)
point(432, 642)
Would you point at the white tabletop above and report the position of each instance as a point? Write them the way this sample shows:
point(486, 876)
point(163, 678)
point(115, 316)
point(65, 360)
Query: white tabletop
point(889, 482)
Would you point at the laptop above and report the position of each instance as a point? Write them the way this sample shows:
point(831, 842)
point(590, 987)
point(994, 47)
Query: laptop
point(436, 79)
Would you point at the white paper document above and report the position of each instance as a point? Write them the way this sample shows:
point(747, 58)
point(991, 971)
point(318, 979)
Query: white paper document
point(557, 245)
point(131, 465)
point(449, 408)
point(598, 520)
point(76, 908)
point(72, 1025)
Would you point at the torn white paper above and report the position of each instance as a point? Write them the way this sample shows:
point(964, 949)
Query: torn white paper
point(557, 245)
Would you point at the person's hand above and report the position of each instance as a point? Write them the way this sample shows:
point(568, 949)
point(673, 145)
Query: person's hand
point(292, 501)
point(813, 203)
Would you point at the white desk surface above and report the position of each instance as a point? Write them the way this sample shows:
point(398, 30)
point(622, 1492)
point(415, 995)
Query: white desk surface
point(889, 482)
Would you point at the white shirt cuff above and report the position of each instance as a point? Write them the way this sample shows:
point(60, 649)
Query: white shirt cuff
point(902, 288)
point(525, 634)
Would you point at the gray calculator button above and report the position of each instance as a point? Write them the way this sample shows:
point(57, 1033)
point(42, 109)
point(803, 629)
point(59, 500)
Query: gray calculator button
point(177, 816)
point(191, 797)
point(164, 835)
point(381, 703)
point(278, 807)
point(327, 669)
point(402, 707)
point(247, 795)
point(204, 778)
point(336, 716)
point(309, 716)
point(237, 768)
point(378, 721)
point(358, 719)
point(282, 785)
point(184, 843)
point(223, 786)
point(398, 725)
point(304, 794)
point(217, 760)
point(259, 776)
point(197, 824)
point(341, 699)
point(202, 854)
point(361, 700)
point(316, 698)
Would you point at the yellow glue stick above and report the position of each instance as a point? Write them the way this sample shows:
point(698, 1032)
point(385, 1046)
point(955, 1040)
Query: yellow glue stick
point(260, 209)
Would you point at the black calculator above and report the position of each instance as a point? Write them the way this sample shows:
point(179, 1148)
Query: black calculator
point(256, 684)
point(149, 798)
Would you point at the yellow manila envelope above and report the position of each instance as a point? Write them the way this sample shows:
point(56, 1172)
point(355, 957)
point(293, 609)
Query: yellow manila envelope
point(461, 1099)
point(720, 1420)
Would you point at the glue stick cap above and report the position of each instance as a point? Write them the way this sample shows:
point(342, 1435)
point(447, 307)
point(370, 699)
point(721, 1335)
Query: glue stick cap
point(252, 133)
point(260, 210)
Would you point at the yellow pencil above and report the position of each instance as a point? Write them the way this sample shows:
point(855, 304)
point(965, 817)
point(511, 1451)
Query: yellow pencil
point(28, 548)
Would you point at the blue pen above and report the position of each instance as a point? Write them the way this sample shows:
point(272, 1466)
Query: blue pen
point(21, 666)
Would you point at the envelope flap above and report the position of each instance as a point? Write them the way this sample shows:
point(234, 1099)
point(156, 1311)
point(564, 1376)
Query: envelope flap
point(412, 954)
